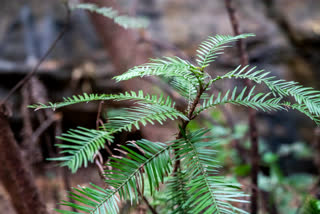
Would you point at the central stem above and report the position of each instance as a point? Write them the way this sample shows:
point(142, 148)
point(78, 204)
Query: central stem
point(186, 122)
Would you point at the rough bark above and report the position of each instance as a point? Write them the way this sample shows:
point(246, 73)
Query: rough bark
point(15, 174)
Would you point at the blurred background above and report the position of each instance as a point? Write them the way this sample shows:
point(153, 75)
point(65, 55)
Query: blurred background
point(93, 50)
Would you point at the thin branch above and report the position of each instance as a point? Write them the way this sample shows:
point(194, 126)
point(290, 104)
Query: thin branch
point(98, 120)
point(252, 113)
point(151, 208)
point(42, 59)
point(149, 205)
point(236, 30)
point(98, 159)
point(180, 101)
point(43, 127)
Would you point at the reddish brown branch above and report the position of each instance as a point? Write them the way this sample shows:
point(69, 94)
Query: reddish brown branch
point(98, 120)
point(186, 122)
point(43, 127)
point(151, 208)
point(98, 159)
point(236, 30)
point(252, 114)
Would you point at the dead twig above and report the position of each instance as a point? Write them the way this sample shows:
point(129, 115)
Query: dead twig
point(98, 160)
point(98, 120)
point(151, 208)
point(43, 127)
point(252, 113)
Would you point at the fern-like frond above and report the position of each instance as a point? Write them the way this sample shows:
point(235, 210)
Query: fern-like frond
point(93, 199)
point(154, 162)
point(210, 49)
point(85, 98)
point(304, 110)
point(258, 101)
point(178, 193)
point(184, 88)
point(125, 119)
point(85, 142)
point(302, 95)
point(208, 193)
point(126, 179)
point(82, 144)
point(166, 67)
point(75, 99)
point(124, 21)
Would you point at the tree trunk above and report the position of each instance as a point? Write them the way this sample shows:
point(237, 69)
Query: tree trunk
point(15, 174)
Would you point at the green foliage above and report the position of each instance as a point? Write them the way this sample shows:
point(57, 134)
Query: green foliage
point(184, 88)
point(125, 178)
point(85, 98)
point(123, 21)
point(256, 101)
point(210, 49)
point(84, 143)
point(308, 99)
point(312, 206)
point(75, 99)
point(82, 146)
point(285, 189)
point(166, 67)
point(178, 193)
point(195, 186)
point(297, 149)
point(207, 192)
